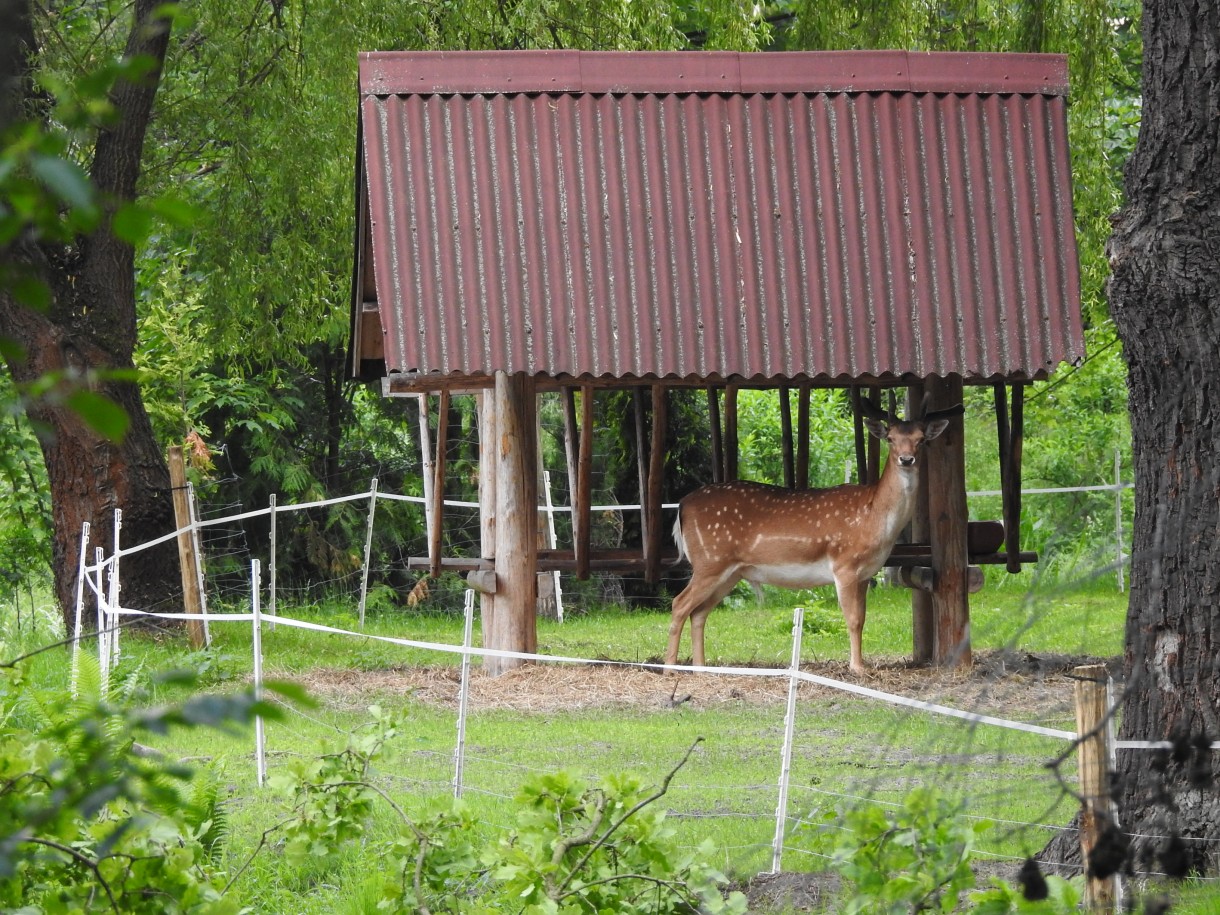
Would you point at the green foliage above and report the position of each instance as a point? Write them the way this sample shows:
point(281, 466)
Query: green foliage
point(579, 848)
point(1001, 898)
point(85, 821)
point(576, 848)
point(906, 859)
point(330, 796)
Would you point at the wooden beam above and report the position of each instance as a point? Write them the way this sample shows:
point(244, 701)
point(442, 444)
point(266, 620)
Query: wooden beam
point(583, 504)
point(1012, 502)
point(192, 601)
point(947, 513)
point(641, 467)
point(656, 480)
point(438, 485)
point(730, 433)
point(713, 417)
point(802, 438)
point(515, 626)
point(785, 431)
point(922, 579)
point(923, 622)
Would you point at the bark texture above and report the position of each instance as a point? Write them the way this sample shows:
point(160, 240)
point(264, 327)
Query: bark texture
point(1165, 299)
point(90, 327)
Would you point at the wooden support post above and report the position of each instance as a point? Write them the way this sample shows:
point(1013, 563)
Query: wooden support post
point(713, 421)
point(1097, 812)
point(785, 431)
point(438, 487)
point(656, 479)
point(187, 558)
point(947, 513)
point(730, 433)
point(858, 429)
point(923, 623)
point(583, 503)
point(514, 625)
point(1012, 504)
point(641, 467)
point(802, 438)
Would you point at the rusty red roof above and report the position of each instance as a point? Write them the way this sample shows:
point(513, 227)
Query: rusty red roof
point(826, 215)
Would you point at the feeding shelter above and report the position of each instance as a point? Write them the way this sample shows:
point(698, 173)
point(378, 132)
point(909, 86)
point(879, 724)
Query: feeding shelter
point(566, 220)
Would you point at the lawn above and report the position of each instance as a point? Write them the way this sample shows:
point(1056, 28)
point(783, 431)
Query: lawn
point(613, 717)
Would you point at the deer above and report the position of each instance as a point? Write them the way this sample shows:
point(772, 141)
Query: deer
point(800, 538)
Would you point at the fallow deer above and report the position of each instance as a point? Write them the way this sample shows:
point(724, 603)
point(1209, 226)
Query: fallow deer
point(800, 538)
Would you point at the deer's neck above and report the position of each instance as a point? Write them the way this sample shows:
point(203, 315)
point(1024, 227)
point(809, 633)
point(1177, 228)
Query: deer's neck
point(896, 490)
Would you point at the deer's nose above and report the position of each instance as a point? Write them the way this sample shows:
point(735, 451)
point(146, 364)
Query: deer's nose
point(906, 460)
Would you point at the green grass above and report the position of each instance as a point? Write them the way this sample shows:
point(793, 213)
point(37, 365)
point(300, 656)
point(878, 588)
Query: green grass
point(845, 747)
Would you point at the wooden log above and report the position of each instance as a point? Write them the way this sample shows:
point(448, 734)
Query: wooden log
point(515, 622)
point(802, 438)
point(438, 486)
point(785, 431)
point(730, 433)
point(1097, 812)
point(1012, 500)
point(188, 561)
point(713, 418)
point(947, 513)
point(656, 479)
point(923, 622)
point(923, 579)
point(583, 500)
point(641, 467)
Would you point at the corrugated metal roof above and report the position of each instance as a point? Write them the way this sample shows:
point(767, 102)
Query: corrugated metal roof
point(706, 214)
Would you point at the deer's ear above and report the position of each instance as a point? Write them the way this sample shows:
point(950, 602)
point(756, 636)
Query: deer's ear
point(935, 428)
point(876, 427)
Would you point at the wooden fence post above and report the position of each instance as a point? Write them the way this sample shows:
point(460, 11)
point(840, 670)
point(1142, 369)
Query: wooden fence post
point(1093, 755)
point(187, 558)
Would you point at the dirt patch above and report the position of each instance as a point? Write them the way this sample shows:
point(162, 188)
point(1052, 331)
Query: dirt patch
point(1022, 685)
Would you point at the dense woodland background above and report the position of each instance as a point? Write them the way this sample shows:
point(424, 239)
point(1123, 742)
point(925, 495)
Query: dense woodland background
point(243, 218)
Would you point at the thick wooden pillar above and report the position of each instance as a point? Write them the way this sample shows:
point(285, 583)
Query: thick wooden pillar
point(946, 487)
point(514, 624)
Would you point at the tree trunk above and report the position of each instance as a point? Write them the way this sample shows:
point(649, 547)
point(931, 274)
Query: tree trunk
point(1165, 299)
point(89, 331)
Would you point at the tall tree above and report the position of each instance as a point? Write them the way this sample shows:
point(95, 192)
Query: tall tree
point(84, 334)
point(1165, 300)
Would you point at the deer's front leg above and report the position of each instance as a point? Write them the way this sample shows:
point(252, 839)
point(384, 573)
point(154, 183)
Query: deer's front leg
point(852, 595)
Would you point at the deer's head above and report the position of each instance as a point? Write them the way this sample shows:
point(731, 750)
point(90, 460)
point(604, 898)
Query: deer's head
point(907, 436)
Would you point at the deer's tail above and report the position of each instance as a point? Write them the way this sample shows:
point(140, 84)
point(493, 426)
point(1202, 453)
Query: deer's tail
point(678, 538)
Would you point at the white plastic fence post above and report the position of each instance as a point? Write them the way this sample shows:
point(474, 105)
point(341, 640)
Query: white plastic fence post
point(103, 637)
point(781, 809)
point(80, 604)
point(554, 541)
point(260, 742)
point(271, 568)
point(193, 517)
point(1118, 518)
point(459, 752)
point(115, 588)
point(368, 549)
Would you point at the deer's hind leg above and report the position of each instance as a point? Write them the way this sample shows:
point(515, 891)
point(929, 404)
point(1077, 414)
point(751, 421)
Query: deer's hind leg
point(696, 601)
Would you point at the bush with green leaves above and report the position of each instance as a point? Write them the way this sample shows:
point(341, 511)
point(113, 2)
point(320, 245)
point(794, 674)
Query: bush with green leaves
point(576, 847)
point(914, 857)
point(89, 824)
